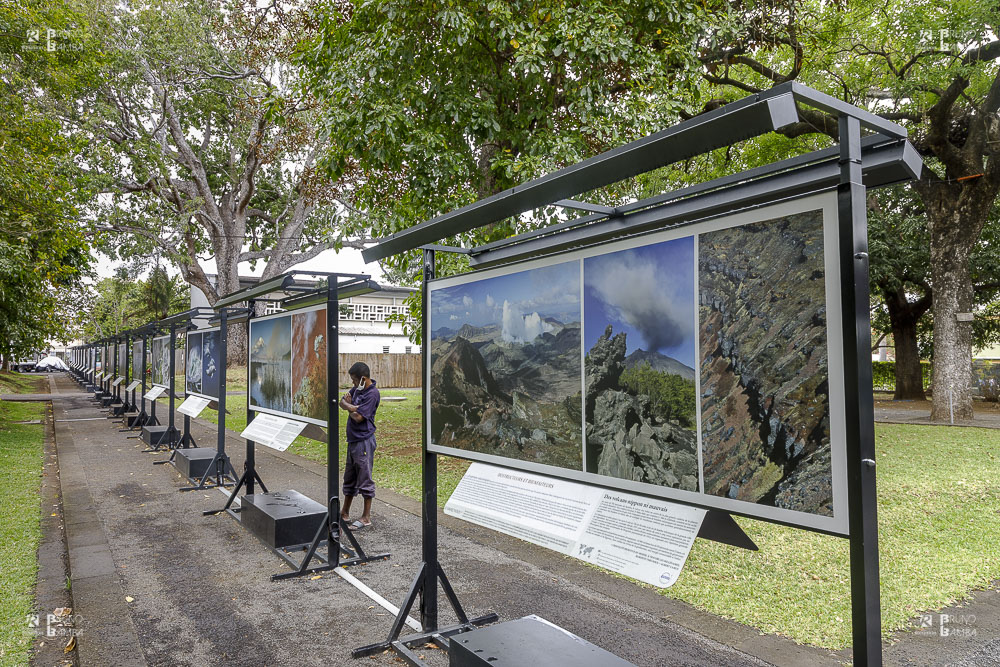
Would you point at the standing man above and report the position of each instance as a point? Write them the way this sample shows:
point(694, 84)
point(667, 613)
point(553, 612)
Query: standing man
point(361, 402)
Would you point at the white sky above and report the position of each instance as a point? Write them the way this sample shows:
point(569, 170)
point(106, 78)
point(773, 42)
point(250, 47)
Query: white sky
point(347, 261)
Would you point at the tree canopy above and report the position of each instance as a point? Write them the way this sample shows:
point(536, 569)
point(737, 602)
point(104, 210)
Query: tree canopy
point(43, 244)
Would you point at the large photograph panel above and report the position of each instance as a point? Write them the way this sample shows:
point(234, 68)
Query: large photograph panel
point(639, 338)
point(161, 361)
point(309, 364)
point(764, 364)
point(137, 364)
point(211, 364)
point(270, 381)
point(506, 368)
point(192, 362)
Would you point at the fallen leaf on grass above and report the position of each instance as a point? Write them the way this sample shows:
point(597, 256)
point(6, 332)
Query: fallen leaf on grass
point(54, 514)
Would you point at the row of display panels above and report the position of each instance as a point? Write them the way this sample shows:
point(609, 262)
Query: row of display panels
point(202, 364)
point(702, 364)
point(287, 371)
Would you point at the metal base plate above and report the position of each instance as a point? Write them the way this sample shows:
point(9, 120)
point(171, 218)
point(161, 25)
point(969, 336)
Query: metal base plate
point(527, 641)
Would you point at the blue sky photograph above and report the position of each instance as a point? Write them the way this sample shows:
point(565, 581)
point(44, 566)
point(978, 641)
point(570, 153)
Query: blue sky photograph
point(647, 293)
point(519, 302)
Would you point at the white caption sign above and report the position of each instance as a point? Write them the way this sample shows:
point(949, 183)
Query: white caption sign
point(133, 385)
point(193, 405)
point(154, 393)
point(273, 431)
point(117, 381)
point(643, 538)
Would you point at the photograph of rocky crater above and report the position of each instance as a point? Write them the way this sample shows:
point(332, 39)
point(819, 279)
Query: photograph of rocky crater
point(639, 337)
point(765, 396)
point(506, 373)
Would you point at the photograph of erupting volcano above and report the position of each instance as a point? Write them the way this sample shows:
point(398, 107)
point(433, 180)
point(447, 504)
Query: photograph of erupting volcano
point(639, 337)
point(506, 368)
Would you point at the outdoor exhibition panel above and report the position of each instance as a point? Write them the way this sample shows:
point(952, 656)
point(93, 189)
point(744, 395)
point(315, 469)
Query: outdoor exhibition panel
point(291, 356)
point(202, 362)
point(286, 375)
point(708, 346)
point(162, 360)
point(205, 386)
point(701, 364)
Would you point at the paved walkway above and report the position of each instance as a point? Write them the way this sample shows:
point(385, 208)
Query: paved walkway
point(921, 416)
point(157, 583)
point(201, 590)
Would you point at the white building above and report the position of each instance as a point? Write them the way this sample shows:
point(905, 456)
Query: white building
point(363, 324)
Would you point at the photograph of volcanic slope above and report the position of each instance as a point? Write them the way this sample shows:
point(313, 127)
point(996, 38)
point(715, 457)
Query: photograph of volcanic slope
point(639, 334)
point(765, 396)
point(506, 372)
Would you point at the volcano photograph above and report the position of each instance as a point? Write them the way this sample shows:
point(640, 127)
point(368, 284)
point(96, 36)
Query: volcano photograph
point(506, 370)
point(639, 337)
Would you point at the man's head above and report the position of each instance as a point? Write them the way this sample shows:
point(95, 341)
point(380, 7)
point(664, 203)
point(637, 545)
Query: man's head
point(360, 373)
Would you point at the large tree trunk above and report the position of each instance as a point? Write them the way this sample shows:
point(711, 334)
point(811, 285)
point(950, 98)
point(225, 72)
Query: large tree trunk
point(229, 282)
point(951, 244)
point(903, 317)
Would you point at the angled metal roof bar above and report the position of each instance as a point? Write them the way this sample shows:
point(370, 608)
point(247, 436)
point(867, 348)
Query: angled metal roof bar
point(882, 165)
point(256, 292)
point(354, 288)
point(186, 316)
point(752, 116)
point(813, 157)
point(585, 206)
point(301, 294)
point(446, 248)
point(743, 119)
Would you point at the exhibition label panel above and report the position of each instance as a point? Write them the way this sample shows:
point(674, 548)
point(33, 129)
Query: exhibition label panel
point(287, 374)
point(643, 538)
point(700, 364)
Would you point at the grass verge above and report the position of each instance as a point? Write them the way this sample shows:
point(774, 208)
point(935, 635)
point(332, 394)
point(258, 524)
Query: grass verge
point(19, 383)
point(939, 513)
point(21, 458)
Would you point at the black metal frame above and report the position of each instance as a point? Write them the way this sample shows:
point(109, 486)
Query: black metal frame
point(220, 465)
point(169, 440)
point(879, 159)
point(301, 294)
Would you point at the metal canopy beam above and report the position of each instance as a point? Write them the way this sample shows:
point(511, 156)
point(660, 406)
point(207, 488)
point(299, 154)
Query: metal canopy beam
point(260, 289)
point(186, 316)
point(320, 296)
point(881, 165)
point(287, 282)
point(744, 119)
point(877, 175)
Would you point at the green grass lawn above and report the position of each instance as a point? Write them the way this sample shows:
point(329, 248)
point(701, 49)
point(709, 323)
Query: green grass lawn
point(21, 447)
point(18, 383)
point(939, 515)
point(397, 462)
